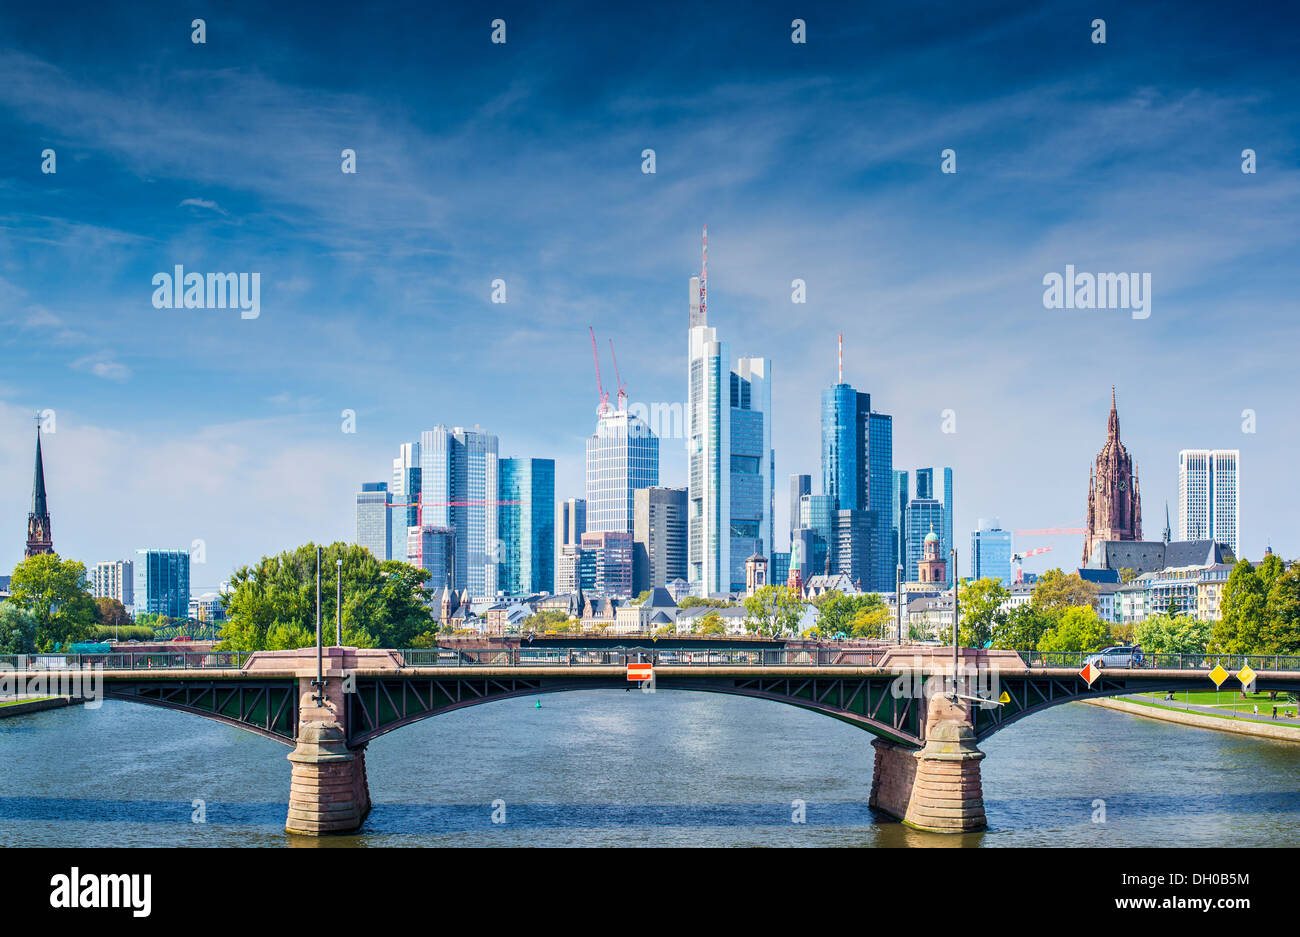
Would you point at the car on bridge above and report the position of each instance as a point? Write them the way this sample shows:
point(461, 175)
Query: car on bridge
point(1121, 655)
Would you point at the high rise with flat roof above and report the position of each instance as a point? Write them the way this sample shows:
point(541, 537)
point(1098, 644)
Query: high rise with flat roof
point(1207, 495)
point(459, 489)
point(114, 580)
point(990, 551)
point(527, 525)
point(658, 538)
point(375, 521)
point(162, 582)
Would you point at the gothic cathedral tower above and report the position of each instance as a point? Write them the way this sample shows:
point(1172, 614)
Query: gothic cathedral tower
point(1114, 504)
point(38, 521)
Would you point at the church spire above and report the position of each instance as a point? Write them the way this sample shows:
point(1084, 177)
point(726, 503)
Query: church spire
point(1112, 428)
point(38, 520)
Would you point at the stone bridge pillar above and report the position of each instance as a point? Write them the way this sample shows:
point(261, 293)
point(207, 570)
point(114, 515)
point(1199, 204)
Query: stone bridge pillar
point(936, 788)
point(328, 790)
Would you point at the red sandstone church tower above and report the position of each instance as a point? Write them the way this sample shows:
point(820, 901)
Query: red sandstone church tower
point(39, 539)
point(1114, 505)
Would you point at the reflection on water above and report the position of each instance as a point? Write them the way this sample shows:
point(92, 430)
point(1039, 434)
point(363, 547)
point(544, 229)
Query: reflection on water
point(607, 767)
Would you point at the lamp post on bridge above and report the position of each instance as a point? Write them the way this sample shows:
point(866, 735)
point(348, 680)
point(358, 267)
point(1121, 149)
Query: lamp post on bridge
point(319, 682)
point(338, 627)
point(955, 583)
point(898, 600)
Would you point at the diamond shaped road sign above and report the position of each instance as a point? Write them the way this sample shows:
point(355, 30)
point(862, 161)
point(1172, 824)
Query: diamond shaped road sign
point(1218, 675)
point(1090, 672)
point(1246, 676)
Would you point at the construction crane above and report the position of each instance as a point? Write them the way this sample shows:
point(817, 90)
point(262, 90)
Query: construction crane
point(1017, 557)
point(622, 388)
point(1051, 531)
point(600, 387)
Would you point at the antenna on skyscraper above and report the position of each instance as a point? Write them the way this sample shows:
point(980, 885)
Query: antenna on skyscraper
point(704, 278)
point(841, 380)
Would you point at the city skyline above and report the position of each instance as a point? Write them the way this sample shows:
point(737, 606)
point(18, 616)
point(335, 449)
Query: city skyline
point(230, 430)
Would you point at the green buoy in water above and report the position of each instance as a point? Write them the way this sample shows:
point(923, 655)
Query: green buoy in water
point(539, 705)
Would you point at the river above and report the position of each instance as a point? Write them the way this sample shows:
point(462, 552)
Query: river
point(606, 767)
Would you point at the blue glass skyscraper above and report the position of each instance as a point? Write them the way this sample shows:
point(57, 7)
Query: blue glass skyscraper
point(858, 475)
point(527, 524)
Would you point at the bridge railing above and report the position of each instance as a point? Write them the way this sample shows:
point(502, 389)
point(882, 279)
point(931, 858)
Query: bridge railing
point(1154, 661)
point(129, 660)
point(617, 657)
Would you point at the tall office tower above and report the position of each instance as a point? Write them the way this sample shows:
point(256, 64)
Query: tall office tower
point(922, 511)
point(605, 563)
point(658, 538)
point(375, 521)
point(851, 552)
point(858, 474)
point(1207, 495)
point(459, 488)
point(817, 537)
point(731, 488)
point(898, 548)
point(404, 496)
point(990, 551)
point(622, 456)
point(114, 580)
point(1114, 503)
point(527, 519)
point(573, 524)
point(573, 521)
point(433, 549)
point(162, 582)
point(800, 485)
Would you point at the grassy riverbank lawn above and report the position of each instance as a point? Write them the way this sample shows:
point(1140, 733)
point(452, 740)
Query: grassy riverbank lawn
point(32, 699)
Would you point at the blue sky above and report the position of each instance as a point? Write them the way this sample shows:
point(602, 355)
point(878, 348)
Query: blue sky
point(523, 161)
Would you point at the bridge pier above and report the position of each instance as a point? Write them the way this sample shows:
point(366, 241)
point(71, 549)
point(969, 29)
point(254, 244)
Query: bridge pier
point(936, 788)
point(328, 789)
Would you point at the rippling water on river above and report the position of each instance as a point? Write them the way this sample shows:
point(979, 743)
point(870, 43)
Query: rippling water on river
point(605, 767)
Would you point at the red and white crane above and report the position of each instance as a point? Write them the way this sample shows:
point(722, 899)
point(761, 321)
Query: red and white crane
point(1017, 557)
point(600, 387)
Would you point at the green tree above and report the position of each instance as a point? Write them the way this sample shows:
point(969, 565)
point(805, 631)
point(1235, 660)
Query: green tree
point(1077, 628)
point(1169, 634)
point(1127, 575)
point(1055, 589)
point(1022, 629)
point(54, 590)
point(711, 623)
point(870, 616)
point(858, 616)
point(981, 611)
point(1280, 633)
point(110, 613)
point(272, 606)
point(692, 601)
point(1244, 605)
point(773, 610)
point(551, 619)
point(17, 629)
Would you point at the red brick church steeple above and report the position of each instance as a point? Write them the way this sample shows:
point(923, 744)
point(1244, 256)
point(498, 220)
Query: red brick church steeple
point(39, 539)
point(1114, 504)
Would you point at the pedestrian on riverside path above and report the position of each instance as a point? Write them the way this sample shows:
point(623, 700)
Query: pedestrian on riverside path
point(1274, 712)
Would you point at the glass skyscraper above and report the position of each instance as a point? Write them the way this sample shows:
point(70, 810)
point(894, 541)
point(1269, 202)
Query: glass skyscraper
point(622, 456)
point(731, 485)
point(925, 512)
point(459, 488)
point(375, 521)
point(858, 475)
point(162, 583)
point(527, 524)
point(433, 549)
point(990, 550)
